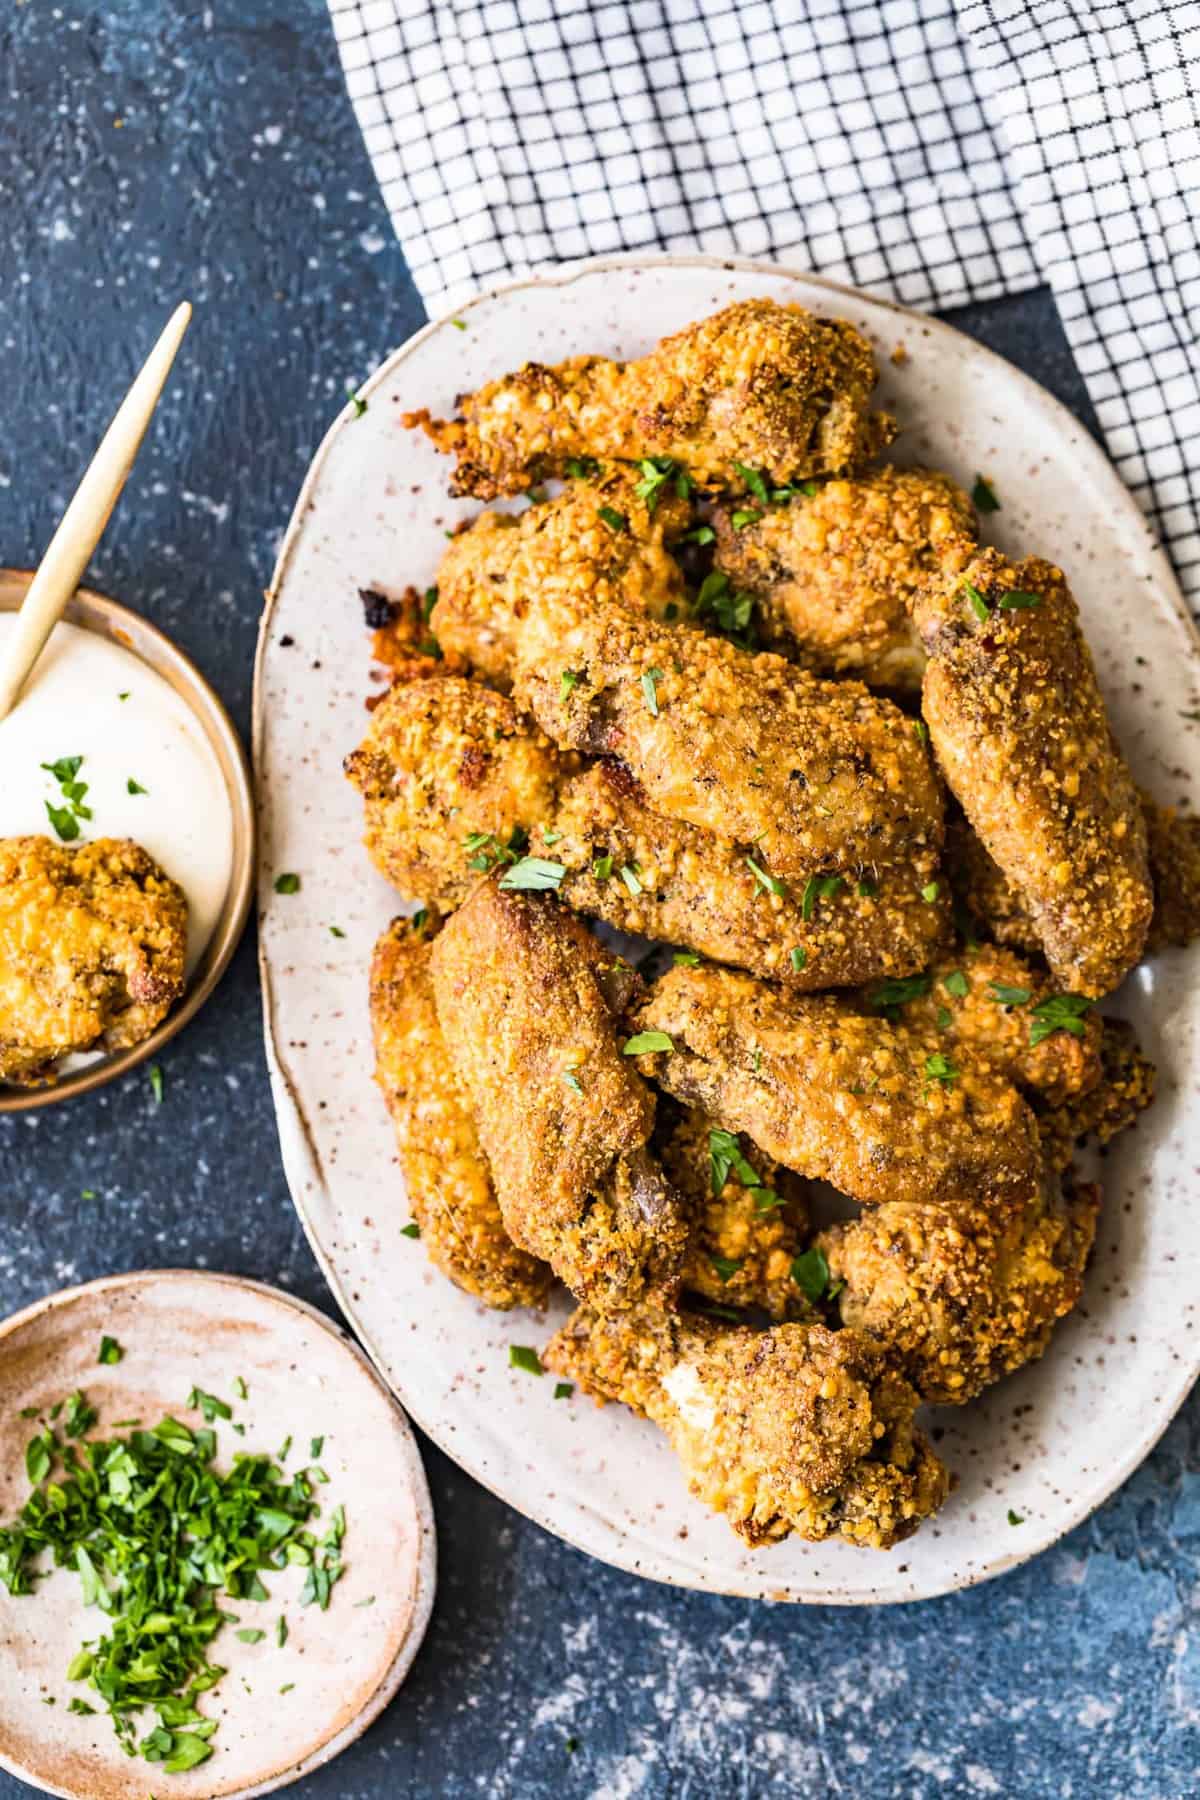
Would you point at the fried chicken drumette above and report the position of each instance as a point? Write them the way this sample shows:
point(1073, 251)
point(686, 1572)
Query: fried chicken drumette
point(771, 387)
point(93, 949)
point(749, 1215)
point(836, 1094)
point(1125, 1089)
point(835, 573)
point(449, 772)
point(528, 1002)
point(960, 1296)
point(446, 1175)
point(812, 775)
point(796, 1429)
point(1015, 714)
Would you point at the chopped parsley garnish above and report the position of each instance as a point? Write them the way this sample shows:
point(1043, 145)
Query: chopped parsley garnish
point(1014, 1518)
point(616, 521)
point(1061, 1012)
point(87, 1193)
point(563, 1390)
point(725, 1157)
point(867, 890)
point(655, 471)
point(336, 931)
point(1016, 600)
point(726, 1266)
point(572, 1081)
point(939, 1068)
point(209, 1405)
point(768, 884)
point(459, 324)
point(485, 852)
point(643, 1042)
point(287, 884)
point(749, 515)
point(650, 682)
point(65, 819)
point(700, 534)
point(583, 468)
point(944, 1018)
point(818, 887)
point(521, 1356)
point(957, 984)
point(1004, 995)
point(984, 496)
point(160, 1539)
point(686, 959)
point(568, 681)
point(356, 400)
point(629, 875)
point(420, 919)
point(930, 892)
point(732, 611)
point(125, 695)
point(64, 822)
point(602, 867)
point(534, 872)
point(899, 990)
point(810, 1272)
point(135, 787)
point(754, 481)
point(922, 730)
point(798, 957)
point(976, 601)
point(156, 1083)
point(411, 1230)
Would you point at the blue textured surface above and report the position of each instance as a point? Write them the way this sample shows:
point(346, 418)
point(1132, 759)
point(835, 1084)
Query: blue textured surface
point(236, 177)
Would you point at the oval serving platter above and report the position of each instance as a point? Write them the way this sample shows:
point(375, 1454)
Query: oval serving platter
point(290, 1377)
point(1049, 1443)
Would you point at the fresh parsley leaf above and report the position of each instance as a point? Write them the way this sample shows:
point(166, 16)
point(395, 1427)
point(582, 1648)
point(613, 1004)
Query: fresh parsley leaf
point(899, 990)
point(568, 681)
point(64, 822)
point(748, 515)
point(135, 787)
point(1014, 1518)
point(629, 875)
point(867, 890)
point(650, 682)
point(732, 611)
point(411, 1230)
point(209, 1405)
point(1016, 600)
point(984, 496)
point(250, 1634)
point(1004, 995)
point(930, 892)
point(155, 1075)
point(110, 1351)
point(583, 468)
point(976, 601)
point(922, 730)
point(602, 867)
point(356, 400)
point(939, 1068)
point(754, 481)
point(572, 1081)
point(616, 521)
point(685, 959)
point(810, 1272)
point(700, 534)
point(65, 769)
point(726, 1266)
point(1061, 1012)
point(521, 1356)
point(654, 470)
point(534, 873)
point(287, 883)
point(643, 1042)
point(957, 984)
point(798, 956)
point(563, 1390)
point(767, 884)
point(818, 887)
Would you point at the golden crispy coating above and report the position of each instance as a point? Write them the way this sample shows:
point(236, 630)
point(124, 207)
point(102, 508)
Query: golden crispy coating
point(402, 639)
point(749, 1216)
point(1174, 846)
point(771, 387)
point(988, 896)
point(446, 1175)
point(795, 1429)
point(835, 573)
point(1019, 726)
point(836, 1094)
point(680, 885)
point(93, 946)
point(1125, 1089)
point(958, 1296)
point(527, 1001)
point(982, 1003)
point(493, 571)
point(444, 763)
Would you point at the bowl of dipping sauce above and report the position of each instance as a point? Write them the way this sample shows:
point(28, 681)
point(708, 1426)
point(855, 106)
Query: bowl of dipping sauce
point(164, 767)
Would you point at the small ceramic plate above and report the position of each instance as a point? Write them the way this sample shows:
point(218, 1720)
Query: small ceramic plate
point(1048, 1444)
point(303, 1379)
point(92, 612)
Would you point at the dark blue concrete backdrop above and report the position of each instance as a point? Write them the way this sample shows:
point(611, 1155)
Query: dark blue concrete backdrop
point(157, 149)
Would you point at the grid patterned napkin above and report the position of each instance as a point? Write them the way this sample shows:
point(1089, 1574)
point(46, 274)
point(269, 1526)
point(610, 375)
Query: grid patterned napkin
point(936, 151)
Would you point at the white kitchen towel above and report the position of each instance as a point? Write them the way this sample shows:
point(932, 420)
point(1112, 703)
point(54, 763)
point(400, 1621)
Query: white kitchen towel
point(937, 151)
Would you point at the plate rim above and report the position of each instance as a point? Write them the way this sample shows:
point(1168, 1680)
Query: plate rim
point(426, 1571)
point(1101, 470)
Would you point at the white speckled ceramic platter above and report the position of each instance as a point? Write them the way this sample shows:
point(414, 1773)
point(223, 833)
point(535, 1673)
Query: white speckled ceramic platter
point(1048, 1444)
point(282, 1710)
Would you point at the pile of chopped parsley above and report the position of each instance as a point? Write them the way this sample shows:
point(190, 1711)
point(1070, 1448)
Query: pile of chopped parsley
point(163, 1543)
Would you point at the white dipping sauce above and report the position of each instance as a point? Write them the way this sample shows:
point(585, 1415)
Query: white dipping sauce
point(72, 706)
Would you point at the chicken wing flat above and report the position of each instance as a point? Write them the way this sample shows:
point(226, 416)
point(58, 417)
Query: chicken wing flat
point(1125, 1089)
point(450, 783)
point(836, 1094)
point(816, 774)
point(770, 387)
point(796, 1429)
point(749, 1216)
point(446, 1174)
point(835, 573)
point(528, 1002)
point(449, 771)
point(957, 1295)
point(1018, 723)
point(93, 948)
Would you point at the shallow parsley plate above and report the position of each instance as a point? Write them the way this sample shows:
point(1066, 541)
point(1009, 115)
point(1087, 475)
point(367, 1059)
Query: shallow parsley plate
point(1048, 1444)
point(303, 1380)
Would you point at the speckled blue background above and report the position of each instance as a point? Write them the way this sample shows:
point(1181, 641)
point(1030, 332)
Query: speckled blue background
point(157, 149)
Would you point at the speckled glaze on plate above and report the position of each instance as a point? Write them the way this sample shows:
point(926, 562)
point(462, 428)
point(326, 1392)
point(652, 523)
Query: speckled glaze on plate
point(1048, 1444)
point(304, 1379)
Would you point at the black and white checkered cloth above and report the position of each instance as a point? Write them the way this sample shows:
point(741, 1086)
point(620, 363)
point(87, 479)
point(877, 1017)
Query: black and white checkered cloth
point(937, 151)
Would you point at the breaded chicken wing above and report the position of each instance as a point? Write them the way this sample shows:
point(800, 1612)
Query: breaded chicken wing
point(749, 1216)
point(959, 1296)
point(835, 573)
point(796, 1429)
point(528, 1003)
point(878, 1110)
point(773, 388)
point(1125, 1089)
point(93, 948)
point(1015, 714)
point(449, 771)
point(446, 1176)
point(1173, 841)
point(815, 774)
